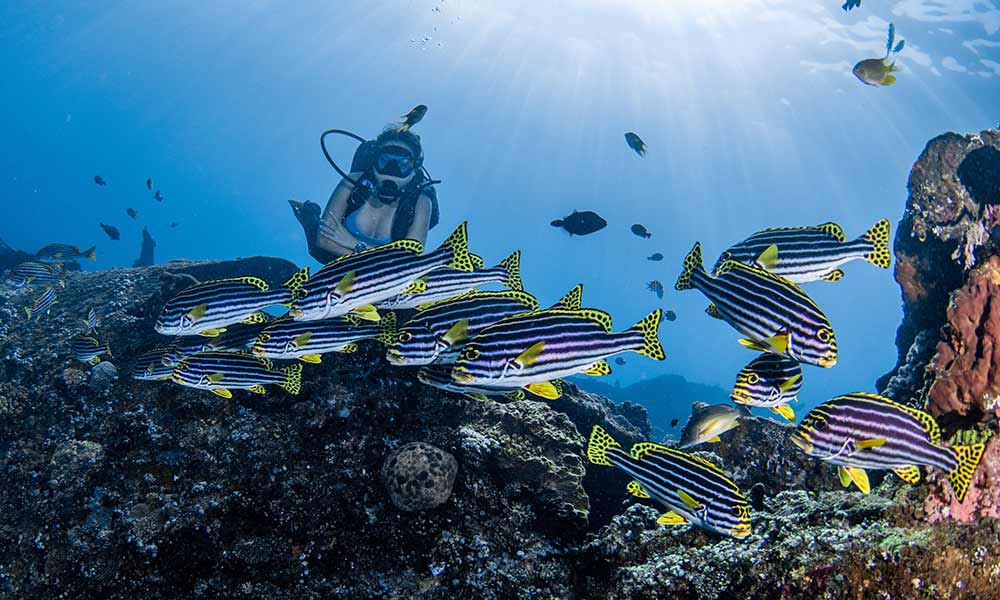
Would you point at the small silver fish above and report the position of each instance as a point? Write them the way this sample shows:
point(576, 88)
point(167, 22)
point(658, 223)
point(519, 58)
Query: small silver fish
point(708, 422)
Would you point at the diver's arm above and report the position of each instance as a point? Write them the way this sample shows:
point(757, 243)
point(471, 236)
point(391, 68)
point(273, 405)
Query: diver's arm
point(421, 219)
point(333, 236)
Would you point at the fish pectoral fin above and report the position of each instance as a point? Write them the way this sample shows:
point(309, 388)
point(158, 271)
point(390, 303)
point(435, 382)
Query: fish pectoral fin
point(197, 312)
point(530, 356)
point(545, 389)
point(856, 475)
point(834, 275)
point(768, 259)
point(311, 358)
point(348, 349)
point(257, 389)
point(909, 474)
point(872, 443)
point(785, 411)
point(715, 440)
point(216, 377)
point(635, 488)
point(223, 392)
point(212, 332)
point(792, 382)
point(345, 284)
point(367, 313)
point(689, 501)
point(671, 518)
point(459, 332)
point(598, 369)
point(301, 340)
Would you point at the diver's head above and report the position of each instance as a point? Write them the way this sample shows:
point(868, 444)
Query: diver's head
point(397, 162)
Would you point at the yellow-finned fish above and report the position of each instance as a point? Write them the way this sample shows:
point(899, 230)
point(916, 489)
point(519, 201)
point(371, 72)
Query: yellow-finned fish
point(879, 71)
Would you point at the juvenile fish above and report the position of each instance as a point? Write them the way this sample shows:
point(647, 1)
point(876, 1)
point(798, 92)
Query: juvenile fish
point(413, 117)
point(221, 372)
point(635, 142)
point(54, 252)
point(42, 304)
point(865, 431)
point(440, 326)
point(356, 282)
point(656, 287)
point(774, 313)
point(657, 257)
point(804, 254)
point(149, 366)
point(207, 308)
point(38, 272)
point(531, 349)
point(769, 381)
point(879, 71)
point(158, 196)
point(111, 230)
point(308, 340)
point(708, 422)
point(92, 321)
point(693, 489)
point(89, 350)
point(149, 184)
point(100, 180)
point(131, 212)
point(641, 231)
point(445, 283)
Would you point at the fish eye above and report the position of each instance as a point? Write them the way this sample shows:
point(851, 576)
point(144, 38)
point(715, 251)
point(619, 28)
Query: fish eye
point(405, 336)
point(470, 354)
point(753, 378)
point(820, 425)
point(824, 335)
point(265, 337)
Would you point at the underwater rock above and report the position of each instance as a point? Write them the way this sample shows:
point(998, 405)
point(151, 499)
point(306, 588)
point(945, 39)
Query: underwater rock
point(419, 476)
point(146, 250)
point(102, 376)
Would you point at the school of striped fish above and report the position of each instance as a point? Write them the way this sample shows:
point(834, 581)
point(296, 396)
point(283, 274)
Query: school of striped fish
point(501, 344)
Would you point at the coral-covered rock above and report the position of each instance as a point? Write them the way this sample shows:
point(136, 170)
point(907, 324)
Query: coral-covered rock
point(982, 499)
point(419, 476)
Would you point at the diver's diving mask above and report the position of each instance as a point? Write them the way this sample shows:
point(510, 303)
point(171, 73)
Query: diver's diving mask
point(395, 161)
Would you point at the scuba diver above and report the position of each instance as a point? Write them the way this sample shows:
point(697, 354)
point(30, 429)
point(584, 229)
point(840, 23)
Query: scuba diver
point(387, 196)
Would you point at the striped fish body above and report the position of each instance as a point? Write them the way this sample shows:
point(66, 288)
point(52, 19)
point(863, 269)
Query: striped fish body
point(804, 254)
point(37, 272)
point(439, 376)
point(769, 381)
point(443, 325)
point(149, 366)
point(92, 321)
point(361, 280)
point(184, 346)
point(42, 304)
point(54, 252)
point(89, 350)
point(693, 489)
point(775, 314)
point(208, 308)
point(307, 340)
point(865, 431)
point(551, 344)
point(220, 372)
point(446, 283)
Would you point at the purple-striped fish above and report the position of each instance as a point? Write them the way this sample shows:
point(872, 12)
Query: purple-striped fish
point(865, 431)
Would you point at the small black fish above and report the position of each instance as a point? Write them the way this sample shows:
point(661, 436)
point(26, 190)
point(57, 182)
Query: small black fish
point(149, 184)
point(674, 422)
point(111, 230)
point(656, 287)
point(620, 361)
point(158, 196)
point(655, 257)
point(641, 231)
point(635, 142)
point(413, 117)
point(99, 180)
point(581, 223)
point(174, 224)
point(670, 315)
point(851, 4)
point(132, 212)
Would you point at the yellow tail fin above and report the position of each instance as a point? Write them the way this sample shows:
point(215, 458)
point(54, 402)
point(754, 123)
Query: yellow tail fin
point(968, 459)
point(458, 242)
point(649, 327)
point(878, 236)
point(513, 266)
point(692, 262)
point(91, 253)
point(598, 446)
point(293, 378)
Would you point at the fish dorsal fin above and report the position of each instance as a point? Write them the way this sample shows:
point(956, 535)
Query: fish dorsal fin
point(836, 231)
point(530, 355)
point(927, 421)
point(768, 259)
point(406, 244)
point(573, 300)
point(477, 261)
point(598, 316)
point(459, 332)
point(256, 282)
point(643, 449)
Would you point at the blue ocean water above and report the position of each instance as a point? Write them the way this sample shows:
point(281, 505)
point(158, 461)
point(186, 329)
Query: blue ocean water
point(749, 108)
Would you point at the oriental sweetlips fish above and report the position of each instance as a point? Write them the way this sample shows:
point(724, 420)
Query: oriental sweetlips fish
point(356, 282)
point(530, 349)
point(42, 304)
point(866, 431)
point(439, 376)
point(440, 326)
point(54, 252)
point(774, 313)
point(804, 254)
point(769, 381)
point(693, 489)
point(149, 366)
point(38, 272)
point(445, 283)
point(879, 71)
point(220, 372)
point(236, 337)
point(89, 350)
point(708, 422)
point(207, 308)
point(308, 340)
